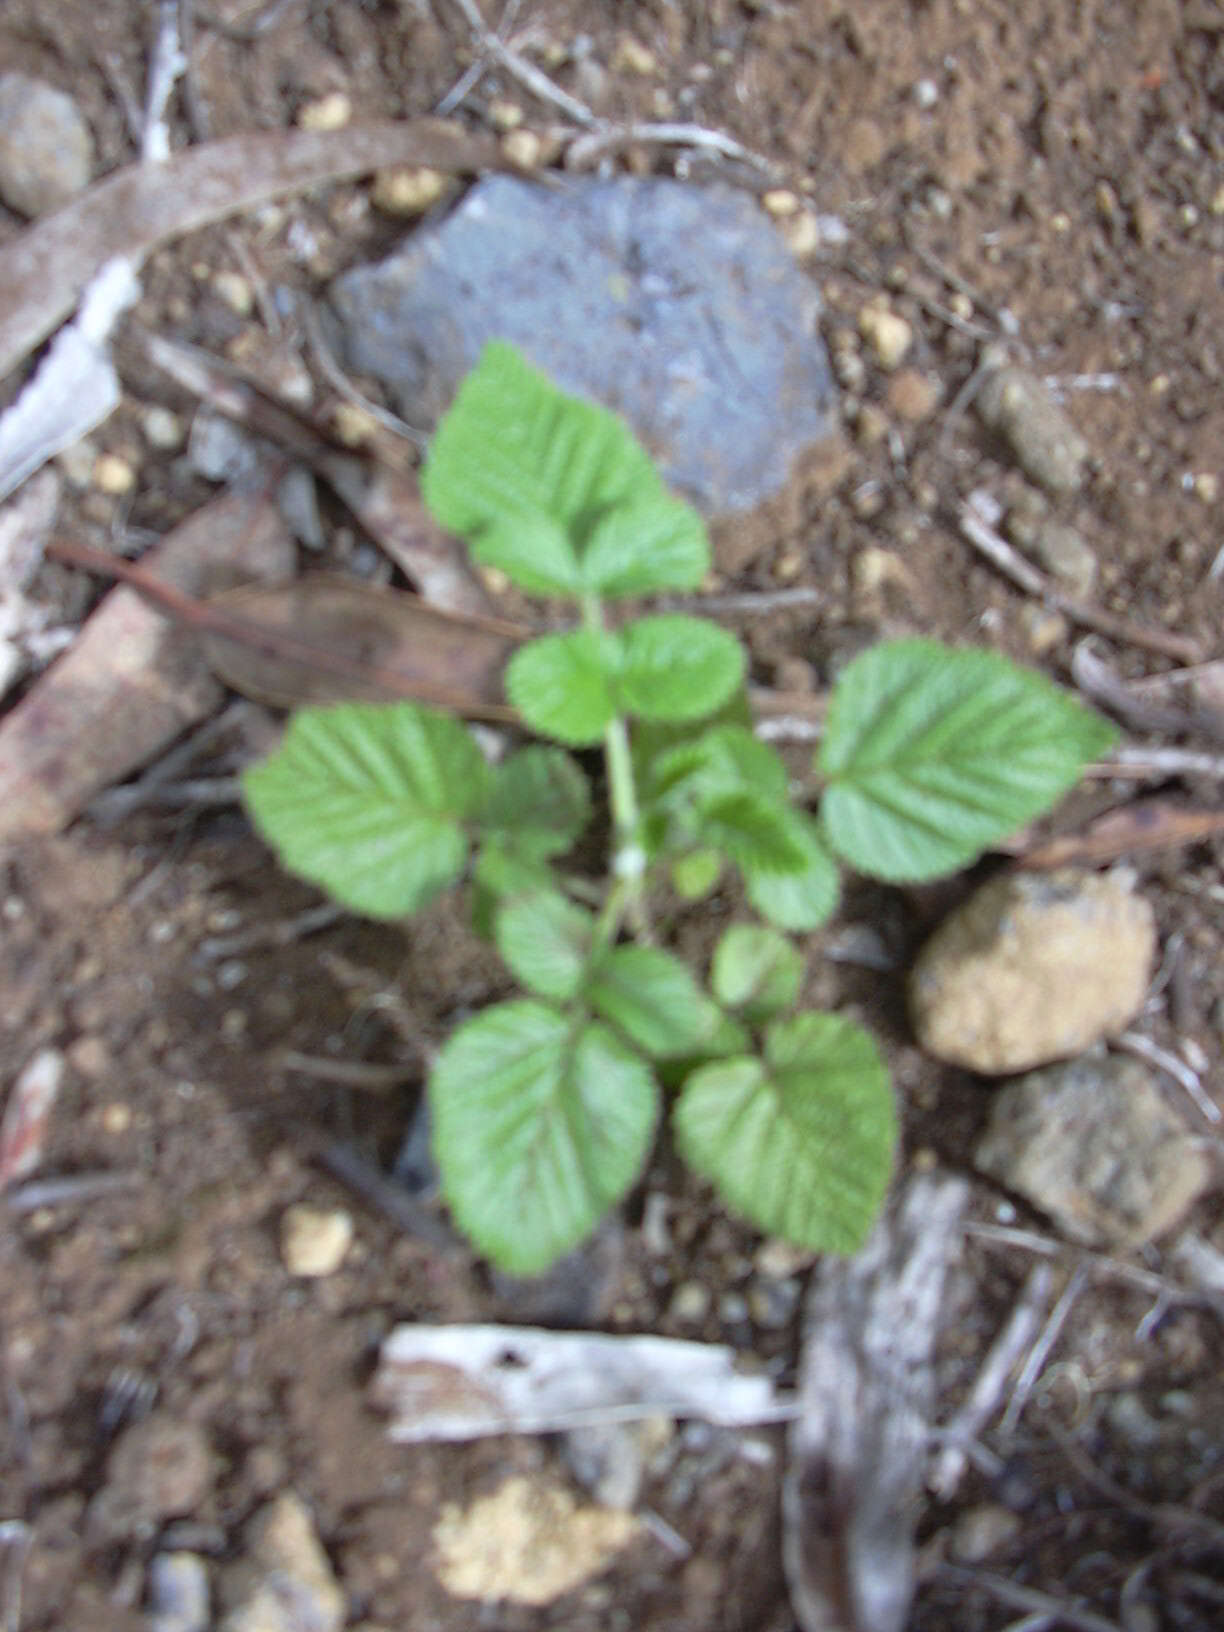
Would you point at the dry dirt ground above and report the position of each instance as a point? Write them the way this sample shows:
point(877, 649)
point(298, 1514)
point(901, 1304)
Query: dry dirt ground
point(1065, 159)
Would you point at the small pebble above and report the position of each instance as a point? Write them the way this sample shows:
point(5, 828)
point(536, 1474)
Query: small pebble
point(162, 429)
point(353, 424)
point(732, 1309)
point(889, 335)
point(802, 233)
point(158, 1469)
point(772, 1304)
point(912, 396)
point(116, 1118)
point(1019, 409)
point(780, 201)
point(46, 150)
point(504, 115)
point(286, 1581)
point(113, 474)
point(522, 147)
point(331, 112)
point(407, 189)
point(690, 1303)
point(235, 291)
point(315, 1240)
point(77, 464)
point(89, 1055)
point(982, 1530)
point(1044, 629)
point(632, 57)
point(1066, 555)
point(1095, 1145)
point(926, 93)
point(778, 1260)
point(870, 425)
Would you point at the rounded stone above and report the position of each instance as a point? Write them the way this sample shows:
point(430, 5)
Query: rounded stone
point(315, 1240)
point(1095, 1145)
point(679, 307)
point(1034, 967)
point(46, 150)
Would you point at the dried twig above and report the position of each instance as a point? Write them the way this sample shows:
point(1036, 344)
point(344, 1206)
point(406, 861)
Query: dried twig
point(284, 933)
point(988, 1386)
point(66, 1191)
point(975, 519)
point(537, 82)
point(1133, 1042)
point(363, 1074)
point(1104, 685)
point(167, 63)
point(1161, 762)
point(1028, 1599)
point(244, 33)
point(1168, 1515)
point(412, 1215)
point(1040, 1351)
point(585, 151)
point(1099, 1263)
point(339, 380)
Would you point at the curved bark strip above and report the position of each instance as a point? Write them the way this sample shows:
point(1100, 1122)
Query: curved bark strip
point(44, 270)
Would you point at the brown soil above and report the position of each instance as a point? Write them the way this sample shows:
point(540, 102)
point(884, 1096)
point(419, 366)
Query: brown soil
point(1065, 160)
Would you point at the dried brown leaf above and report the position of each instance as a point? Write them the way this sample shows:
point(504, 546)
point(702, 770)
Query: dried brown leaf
point(325, 638)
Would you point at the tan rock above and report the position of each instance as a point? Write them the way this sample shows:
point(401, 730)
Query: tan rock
point(1034, 967)
point(530, 1542)
point(314, 1240)
point(285, 1582)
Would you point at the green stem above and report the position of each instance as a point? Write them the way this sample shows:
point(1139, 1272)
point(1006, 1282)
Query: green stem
point(625, 898)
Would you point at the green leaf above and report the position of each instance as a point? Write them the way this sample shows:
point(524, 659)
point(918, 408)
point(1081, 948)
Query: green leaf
point(678, 668)
point(654, 999)
point(533, 477)
point(540, 800)
point(503, 873)
point(546, 942)
point(694, 875)
point(366, 800)
point(756, 971)
point(753, 833)
point(723, 759)
point(801, 1142)
point(934, 754)
point(797, 900)
point(560, 684)
point(639, 549)
point(539, 1127)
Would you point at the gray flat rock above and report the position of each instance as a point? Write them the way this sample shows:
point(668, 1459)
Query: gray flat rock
point(679, 307)
point(1095, 1145)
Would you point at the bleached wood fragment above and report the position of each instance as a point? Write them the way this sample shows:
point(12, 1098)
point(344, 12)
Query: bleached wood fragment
point(463, 1382)
point(858, 1447)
